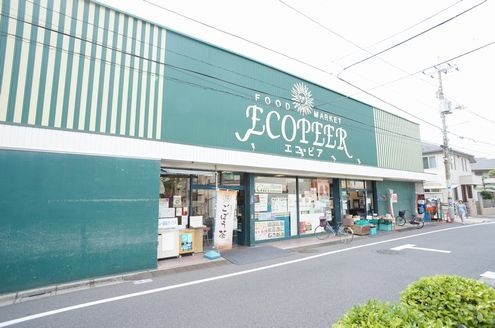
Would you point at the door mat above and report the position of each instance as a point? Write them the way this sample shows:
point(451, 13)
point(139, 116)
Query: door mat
point(247, 255)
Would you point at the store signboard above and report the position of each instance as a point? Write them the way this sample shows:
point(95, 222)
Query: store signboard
point(224, 219)
point(236, 103)
point(269, 188)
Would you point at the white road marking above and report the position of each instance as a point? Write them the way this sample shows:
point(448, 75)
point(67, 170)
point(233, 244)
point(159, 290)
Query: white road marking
point(488, 274)
point(411, 246)
point(143, 281)
point(225, 276)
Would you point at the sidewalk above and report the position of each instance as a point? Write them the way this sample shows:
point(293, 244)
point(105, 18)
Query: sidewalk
point(197, 261)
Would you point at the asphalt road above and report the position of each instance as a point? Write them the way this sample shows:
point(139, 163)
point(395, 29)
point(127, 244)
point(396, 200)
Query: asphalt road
point(313, 287)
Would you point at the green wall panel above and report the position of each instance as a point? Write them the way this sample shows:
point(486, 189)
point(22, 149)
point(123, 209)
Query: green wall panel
point(211, 95)
point(406, 196)
point(70, 217)
point(99, 74)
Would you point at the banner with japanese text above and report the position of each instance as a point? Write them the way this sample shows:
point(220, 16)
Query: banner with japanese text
point(224, 218)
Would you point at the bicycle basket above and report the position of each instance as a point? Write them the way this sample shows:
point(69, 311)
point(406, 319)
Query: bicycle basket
point(323, 221)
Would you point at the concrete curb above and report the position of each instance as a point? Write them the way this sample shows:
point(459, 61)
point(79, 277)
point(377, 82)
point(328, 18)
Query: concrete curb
point(42, 292)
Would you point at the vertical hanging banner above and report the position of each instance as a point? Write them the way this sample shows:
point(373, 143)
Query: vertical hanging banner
point(224, 218)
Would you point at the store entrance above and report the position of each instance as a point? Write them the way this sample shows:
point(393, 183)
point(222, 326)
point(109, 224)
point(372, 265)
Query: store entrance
point(358, 197)
point(204, 200)
point(187, 210)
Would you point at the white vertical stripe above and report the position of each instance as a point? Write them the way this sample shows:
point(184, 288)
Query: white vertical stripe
point(9, 59)
point(136, 78)
point(108, 65)
point(75, 68)
point(37, 65)
point(87, 64)
point(154, 77)
point(144, 75)
point(116, 80)
point(63, 67)
point(161, 85)
point(23, 69)
point(96, 78)
point(50, 68)
point(126, 62)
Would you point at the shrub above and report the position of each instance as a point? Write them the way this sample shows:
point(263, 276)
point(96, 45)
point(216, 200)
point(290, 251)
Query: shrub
point(452, 300)
point(377, 314)
point(485, 194)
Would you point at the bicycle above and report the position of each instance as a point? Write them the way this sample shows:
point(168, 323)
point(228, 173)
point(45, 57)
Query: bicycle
point(417, 221)
point(325, 229)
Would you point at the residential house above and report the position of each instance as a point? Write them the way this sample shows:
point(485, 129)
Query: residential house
point(481, 169)
point(463, 180)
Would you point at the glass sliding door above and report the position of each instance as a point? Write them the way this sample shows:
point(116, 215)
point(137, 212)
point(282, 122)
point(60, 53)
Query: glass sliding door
point(315, 201)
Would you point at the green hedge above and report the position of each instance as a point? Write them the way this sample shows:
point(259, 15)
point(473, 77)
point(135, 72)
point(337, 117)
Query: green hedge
point(452, 300)
point(377, 314)
point(431, 302)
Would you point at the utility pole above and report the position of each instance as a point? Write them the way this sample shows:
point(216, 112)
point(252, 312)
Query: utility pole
point(445, 110)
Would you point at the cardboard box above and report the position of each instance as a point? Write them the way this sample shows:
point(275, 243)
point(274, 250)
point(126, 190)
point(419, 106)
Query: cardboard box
point(348, 221)
point(361, 230)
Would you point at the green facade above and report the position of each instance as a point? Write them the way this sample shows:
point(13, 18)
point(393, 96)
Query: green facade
point(77, 65)
point(406, 196)
point(233, 94)
point(70, 217)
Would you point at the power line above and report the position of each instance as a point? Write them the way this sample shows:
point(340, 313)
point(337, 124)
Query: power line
point(433, 66)
point(110, 48)
point(482, 117)
point(363, 125)
point(345, 39)
point(414, 36)
point(238, 37)
point(143, 42)
point(404, 30)
point(157, 62)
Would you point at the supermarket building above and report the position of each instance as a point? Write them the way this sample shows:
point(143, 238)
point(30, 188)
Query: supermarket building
point(111, 125)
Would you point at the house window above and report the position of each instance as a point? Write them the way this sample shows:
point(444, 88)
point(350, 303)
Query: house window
point(429, 162)
point(464, 164)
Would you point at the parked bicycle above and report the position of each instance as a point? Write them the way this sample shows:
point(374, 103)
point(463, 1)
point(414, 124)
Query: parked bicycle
point(414, 220)
point(325, 229)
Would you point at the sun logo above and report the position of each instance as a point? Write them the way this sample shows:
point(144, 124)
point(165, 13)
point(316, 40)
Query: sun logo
point(302, 99)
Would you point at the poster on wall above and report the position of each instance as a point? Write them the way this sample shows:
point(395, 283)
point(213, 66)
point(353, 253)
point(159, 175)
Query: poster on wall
point(323, 189)
point(261, 202)
point(224, 218)
point(279, 204)
point(264, 230)
point(177, 201)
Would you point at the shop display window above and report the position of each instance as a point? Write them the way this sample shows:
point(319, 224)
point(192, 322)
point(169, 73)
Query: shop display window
point(275, 207)
point(315, 201)
point(357, 198)
point(174, 198)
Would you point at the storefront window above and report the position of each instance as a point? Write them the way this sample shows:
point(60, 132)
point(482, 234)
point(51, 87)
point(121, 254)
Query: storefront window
point(275, 207)
point(315, 201)
point(174, 198)
point(231, 178)
point(357, 198)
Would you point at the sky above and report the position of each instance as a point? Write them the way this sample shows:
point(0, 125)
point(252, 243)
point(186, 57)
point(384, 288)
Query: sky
point(385, 53)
